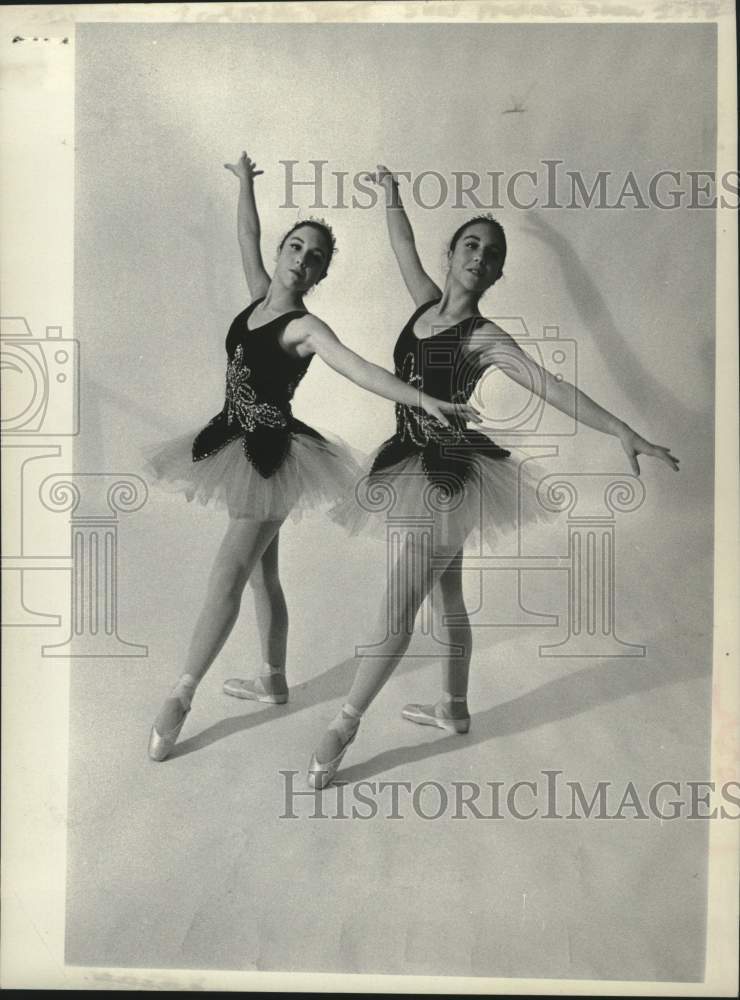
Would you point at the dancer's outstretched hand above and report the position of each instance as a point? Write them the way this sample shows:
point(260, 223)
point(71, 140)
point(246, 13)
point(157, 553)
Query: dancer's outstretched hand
point(382, 177)
point(439, 408)
point(244, 168)
point(635, 445)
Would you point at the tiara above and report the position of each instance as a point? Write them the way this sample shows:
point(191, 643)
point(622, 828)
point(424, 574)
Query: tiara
point(320, 221)
point(485, 217)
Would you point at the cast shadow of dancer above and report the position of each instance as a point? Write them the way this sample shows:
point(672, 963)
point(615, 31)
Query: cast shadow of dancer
point(105, 406)
point(561, 698)
point(558, 699)
point(324, 688)
point(638, 382)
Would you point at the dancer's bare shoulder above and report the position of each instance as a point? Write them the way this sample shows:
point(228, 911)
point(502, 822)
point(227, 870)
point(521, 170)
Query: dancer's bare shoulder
point(307, 333)
point(488, 328)
point(491, 343)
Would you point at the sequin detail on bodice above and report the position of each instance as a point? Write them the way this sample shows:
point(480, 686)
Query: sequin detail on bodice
point(241, 399)
point(261, 379)
point(441, 367)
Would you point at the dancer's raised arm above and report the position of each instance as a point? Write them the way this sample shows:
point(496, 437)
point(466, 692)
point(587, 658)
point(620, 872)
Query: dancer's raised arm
point(248, 226)
point(322, 341)
point(421, 287)
point(502, 351)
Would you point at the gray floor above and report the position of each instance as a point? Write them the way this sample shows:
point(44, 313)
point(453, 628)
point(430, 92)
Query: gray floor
point(188, 864)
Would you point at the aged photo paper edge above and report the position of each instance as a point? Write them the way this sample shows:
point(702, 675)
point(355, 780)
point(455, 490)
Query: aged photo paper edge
point(34, 802)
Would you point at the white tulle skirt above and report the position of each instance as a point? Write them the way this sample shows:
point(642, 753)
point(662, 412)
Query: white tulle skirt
point(316, 475)
point(499, 498)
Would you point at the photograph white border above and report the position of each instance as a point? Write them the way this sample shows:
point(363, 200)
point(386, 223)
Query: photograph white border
point(36, 267)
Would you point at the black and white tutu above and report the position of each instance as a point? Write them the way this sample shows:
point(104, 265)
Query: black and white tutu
point(496, 499)
point(451, 481)
point(254, 458)
point(316, 474)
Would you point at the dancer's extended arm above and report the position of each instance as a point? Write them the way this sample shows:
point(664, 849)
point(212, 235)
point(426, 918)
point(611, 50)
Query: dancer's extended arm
point(421, 287)
point(497, 348)
point(248, 226)
point(322, 341)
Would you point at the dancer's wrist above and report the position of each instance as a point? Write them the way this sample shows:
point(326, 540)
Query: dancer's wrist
point(392, 195)
point(619, 428)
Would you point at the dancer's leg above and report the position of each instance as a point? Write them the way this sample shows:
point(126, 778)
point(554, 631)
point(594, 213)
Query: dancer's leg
point(410, 580)
point(242, 546)
point(447, 600)
point(272, 621)
point(270, 608)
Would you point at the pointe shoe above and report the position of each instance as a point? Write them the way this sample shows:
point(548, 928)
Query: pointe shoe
point(161, 744)
point(422, 715)
point(254, 690)
point(320, 775)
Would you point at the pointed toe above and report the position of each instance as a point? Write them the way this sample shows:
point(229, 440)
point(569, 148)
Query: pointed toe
point(161, 745)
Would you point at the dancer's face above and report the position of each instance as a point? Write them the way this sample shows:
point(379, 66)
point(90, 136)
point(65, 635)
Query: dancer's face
point(303, 259)
point(478, 258)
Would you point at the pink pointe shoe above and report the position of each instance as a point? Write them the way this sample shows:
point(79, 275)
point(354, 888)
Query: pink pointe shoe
point(161, 744)
point(269, 688)
point(321, 774)
point(436, 715)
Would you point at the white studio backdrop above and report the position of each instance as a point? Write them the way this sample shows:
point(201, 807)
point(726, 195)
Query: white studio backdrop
point(158, 275)
point(158, 279)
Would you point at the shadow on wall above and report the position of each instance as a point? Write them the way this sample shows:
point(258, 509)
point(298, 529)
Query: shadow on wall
point(638, 382)
point(107, 412)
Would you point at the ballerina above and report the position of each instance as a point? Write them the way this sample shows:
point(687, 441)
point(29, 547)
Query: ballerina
point(257, 460)
point(444, 348)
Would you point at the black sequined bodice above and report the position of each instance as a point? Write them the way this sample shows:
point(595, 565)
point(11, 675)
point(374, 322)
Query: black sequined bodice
point(261, 379)
point(441, 367)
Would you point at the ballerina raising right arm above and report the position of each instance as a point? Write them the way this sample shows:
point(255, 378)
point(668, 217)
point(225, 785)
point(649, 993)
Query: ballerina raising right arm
point(498, 347)
point(309, 335)
point(421, 287)
point(248, 226)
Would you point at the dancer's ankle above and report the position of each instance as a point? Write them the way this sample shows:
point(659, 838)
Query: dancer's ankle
point(185, 688)
point(340, 731)
point(347, 721)
point(272, 679)
point(177, 704)
point(454, 705)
